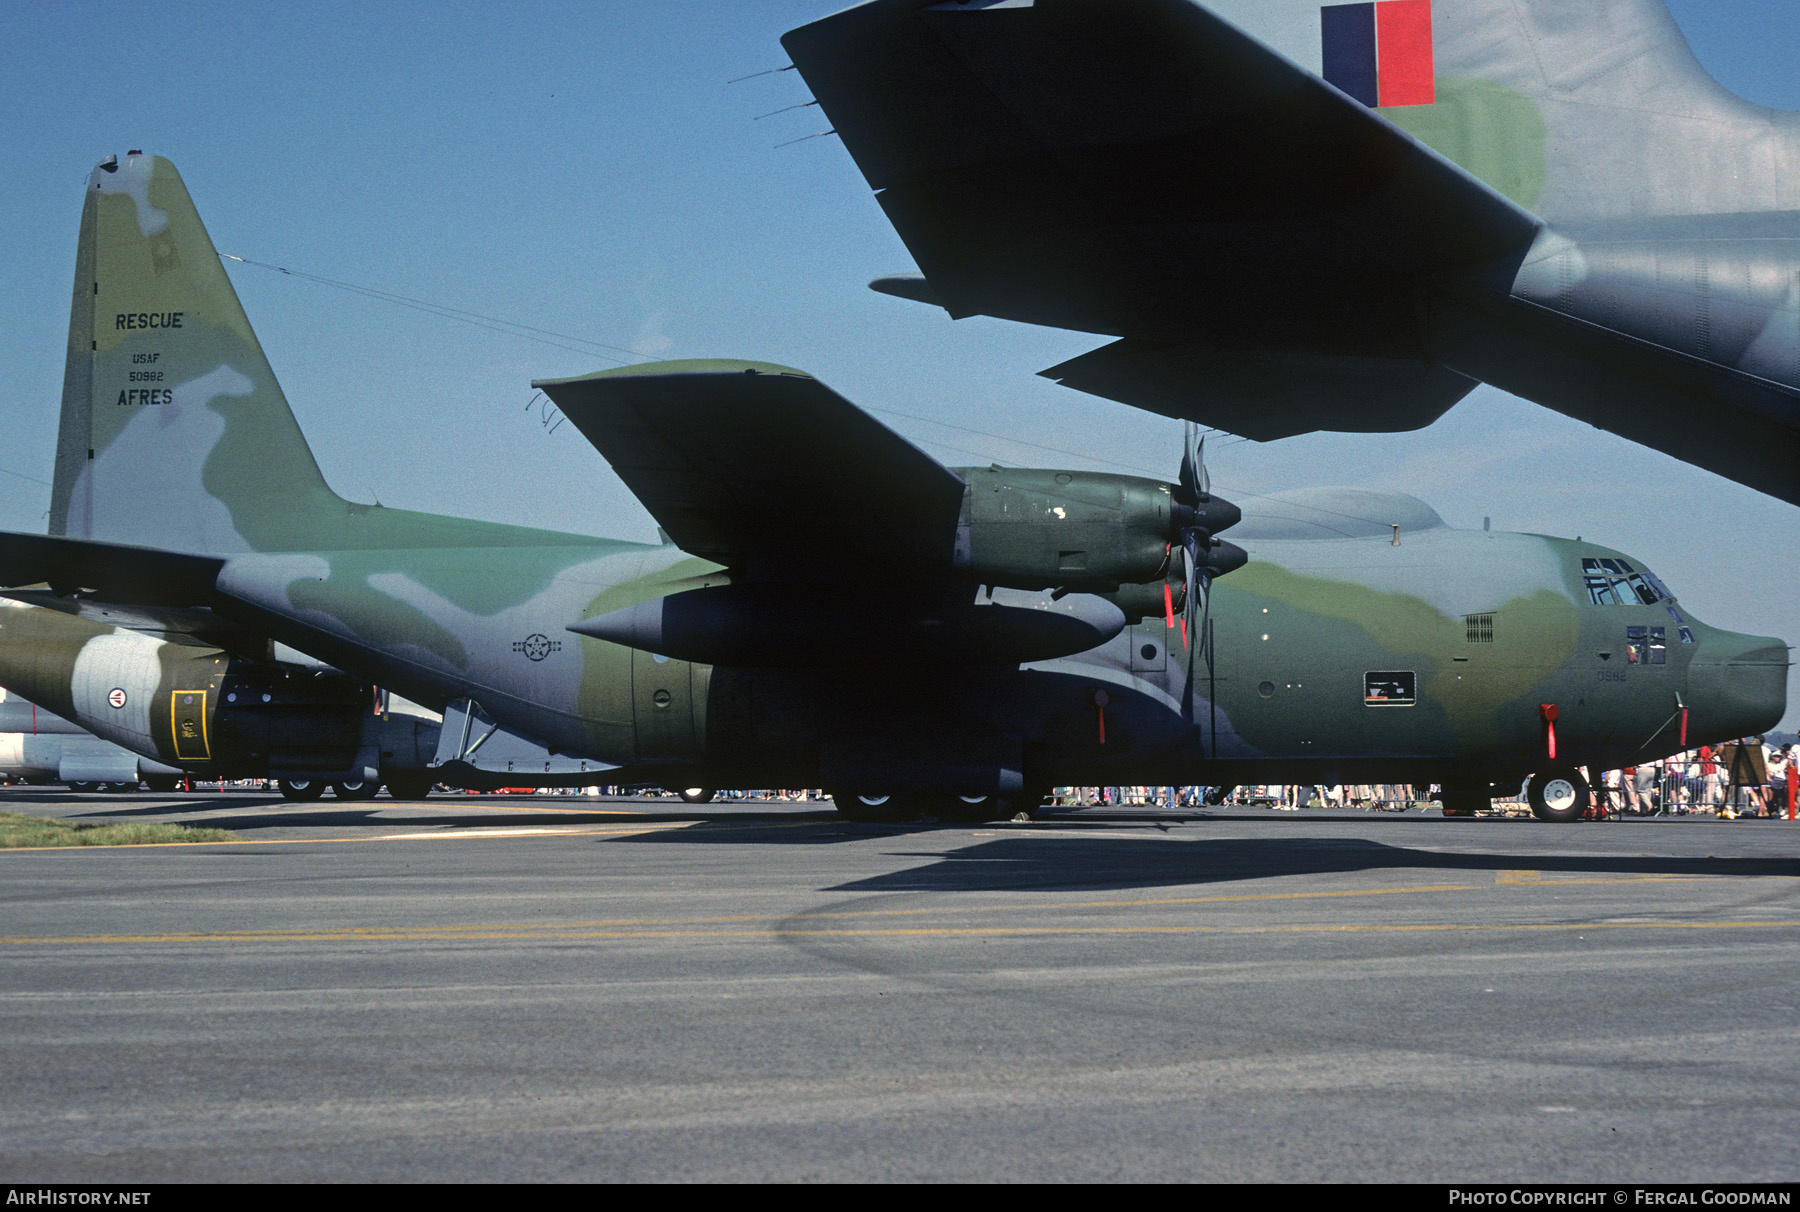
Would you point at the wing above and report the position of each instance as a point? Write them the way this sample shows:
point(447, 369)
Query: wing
point(1280, 257)
point(1145, 169)
point(140, 575)
point(762, 467)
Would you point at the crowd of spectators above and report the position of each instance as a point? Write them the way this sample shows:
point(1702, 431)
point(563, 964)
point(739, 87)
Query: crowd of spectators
point(1744, 778)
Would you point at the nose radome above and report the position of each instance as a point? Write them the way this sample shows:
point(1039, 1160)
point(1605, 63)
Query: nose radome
point(1737, 685)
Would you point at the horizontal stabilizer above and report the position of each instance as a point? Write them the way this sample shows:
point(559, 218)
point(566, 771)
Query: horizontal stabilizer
point(141, 575)
point(475, 751)
point(1266, 394)
point(757, 465)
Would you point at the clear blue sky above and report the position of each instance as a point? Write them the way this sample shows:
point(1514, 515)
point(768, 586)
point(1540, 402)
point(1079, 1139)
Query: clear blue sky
point(585, 168)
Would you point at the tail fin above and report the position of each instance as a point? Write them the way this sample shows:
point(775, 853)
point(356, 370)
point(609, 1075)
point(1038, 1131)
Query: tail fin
point(174, 432)
point(1574, 109)
point(1601, 110)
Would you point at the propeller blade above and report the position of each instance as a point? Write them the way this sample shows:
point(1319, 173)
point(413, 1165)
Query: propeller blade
point(1193, 552)
point(1190, 466)
point(1204, 634)
point(1200, 463)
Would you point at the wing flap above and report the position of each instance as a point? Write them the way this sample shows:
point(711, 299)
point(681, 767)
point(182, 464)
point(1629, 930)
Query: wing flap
point(1267, 394)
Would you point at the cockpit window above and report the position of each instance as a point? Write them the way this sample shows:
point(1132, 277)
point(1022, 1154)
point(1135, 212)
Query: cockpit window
point(1612, 582)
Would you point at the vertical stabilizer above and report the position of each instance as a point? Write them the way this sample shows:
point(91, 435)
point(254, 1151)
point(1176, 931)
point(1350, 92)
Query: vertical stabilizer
point(1575, 109)
point(174, 432)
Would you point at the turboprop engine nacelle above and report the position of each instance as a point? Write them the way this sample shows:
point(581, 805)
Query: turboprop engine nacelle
point(1030, 528)
point(196, 707)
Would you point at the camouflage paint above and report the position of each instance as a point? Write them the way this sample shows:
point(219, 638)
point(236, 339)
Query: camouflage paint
point(1494, 132)
point(445, 609)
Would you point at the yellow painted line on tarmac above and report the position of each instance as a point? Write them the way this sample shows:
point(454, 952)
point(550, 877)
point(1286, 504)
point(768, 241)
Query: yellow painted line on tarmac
point(659, 926)
point(1537, 879)
point(483, 831)
point(565, 934)
point(682, 927)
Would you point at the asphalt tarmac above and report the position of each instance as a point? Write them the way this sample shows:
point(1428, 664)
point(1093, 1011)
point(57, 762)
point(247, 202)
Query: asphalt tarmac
point(541, 989)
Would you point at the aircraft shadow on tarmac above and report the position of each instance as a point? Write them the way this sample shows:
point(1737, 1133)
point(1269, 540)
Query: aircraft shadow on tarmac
point(247, 815)
point(1016, 860)
point(1024, 862)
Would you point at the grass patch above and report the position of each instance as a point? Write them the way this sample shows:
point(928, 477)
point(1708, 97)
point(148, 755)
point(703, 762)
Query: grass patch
point(18, 830)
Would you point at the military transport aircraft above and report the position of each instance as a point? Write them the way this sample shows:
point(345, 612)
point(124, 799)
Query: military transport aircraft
point(1305, 215)
point(833, 608)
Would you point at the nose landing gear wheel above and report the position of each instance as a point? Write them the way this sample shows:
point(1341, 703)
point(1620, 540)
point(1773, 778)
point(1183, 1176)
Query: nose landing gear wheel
point(1558, 795)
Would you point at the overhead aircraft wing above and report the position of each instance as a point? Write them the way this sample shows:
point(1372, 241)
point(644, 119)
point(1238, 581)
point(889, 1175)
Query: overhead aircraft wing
point(141, 575)
point(1145, 169)
point(762, 467)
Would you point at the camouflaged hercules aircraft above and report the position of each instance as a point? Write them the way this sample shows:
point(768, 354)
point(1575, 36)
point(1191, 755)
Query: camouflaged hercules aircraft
point(833, 608)
point(1307, 214)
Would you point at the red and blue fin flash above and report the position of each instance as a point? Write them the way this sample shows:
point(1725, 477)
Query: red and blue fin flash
point(1380, 52)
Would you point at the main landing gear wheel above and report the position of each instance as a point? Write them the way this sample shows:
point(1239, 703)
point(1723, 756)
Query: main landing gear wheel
point(162, 784)
point(301, 789)
point(973, 809)
point(360, 790)
point(696, 795)
point(1558, 795)
point(873, 809)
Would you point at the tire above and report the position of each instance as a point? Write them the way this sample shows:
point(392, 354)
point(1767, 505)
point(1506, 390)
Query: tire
point(872, 809)
point(1558, 795)
point(973, 809)
point(301, 789)
point(359, 790)
point(162, 784)
point(968, 809)
point(410, 785)
point(696, 795)
point(83, 787)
